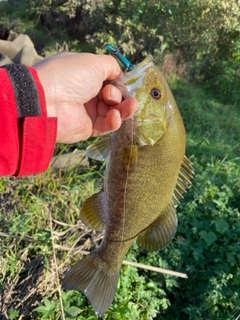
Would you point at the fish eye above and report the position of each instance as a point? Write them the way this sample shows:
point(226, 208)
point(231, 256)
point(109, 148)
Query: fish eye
point(156, 93)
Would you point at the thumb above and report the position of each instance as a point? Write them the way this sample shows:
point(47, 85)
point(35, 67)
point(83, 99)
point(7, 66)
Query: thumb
point(108, 67)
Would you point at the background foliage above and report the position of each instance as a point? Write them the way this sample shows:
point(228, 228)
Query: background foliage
point(197, 45)
point(203, 35)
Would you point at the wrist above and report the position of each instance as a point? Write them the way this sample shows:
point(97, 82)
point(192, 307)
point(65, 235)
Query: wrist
point(45, 82)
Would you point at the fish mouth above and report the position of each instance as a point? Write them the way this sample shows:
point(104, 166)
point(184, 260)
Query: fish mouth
point(131, 77)
point(128, 82)
point(142, 66)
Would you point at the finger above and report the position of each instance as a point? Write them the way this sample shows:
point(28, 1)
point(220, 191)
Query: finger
point(104, 125)
point(102, 109)
point(111, 95)
point(127, 107)
point(108, 67)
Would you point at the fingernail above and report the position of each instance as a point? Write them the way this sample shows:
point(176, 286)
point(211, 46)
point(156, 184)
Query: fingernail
point(115, 94)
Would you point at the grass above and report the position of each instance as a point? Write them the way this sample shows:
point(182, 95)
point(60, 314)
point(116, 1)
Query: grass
point(38, 232)
point(212, 127)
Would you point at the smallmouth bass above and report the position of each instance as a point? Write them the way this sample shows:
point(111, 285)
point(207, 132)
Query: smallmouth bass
point(146, 175)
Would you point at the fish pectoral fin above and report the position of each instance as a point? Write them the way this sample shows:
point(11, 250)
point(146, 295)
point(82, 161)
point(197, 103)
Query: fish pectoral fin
point(183, 181)
point(99, 287)
point(100, 149)
point(161, 232)
point(130, 157)
point(92, 212)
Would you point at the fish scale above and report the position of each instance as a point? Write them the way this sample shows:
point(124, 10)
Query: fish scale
point(147, 172)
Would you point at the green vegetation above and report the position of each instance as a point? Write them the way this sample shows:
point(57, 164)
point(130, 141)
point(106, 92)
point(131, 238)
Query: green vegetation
point(40, 231)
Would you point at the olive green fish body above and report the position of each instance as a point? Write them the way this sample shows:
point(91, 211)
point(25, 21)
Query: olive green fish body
point(146, 175)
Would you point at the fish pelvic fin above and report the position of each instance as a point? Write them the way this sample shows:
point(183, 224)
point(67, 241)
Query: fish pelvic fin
point(161, 232)
point(100, 149)
point(92, 212)
point(87, 277)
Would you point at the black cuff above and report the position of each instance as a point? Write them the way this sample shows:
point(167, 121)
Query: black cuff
point(25, 90)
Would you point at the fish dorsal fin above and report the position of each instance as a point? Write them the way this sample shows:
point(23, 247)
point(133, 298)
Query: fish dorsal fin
point(92, 212)
point(160, 233)
point(183, 180)
point(100, 149)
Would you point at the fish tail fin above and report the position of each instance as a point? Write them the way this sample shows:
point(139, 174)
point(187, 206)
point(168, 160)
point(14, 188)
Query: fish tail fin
point(87, 277)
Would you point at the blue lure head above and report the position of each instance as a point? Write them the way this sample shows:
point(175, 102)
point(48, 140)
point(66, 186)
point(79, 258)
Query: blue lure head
point(123, 62)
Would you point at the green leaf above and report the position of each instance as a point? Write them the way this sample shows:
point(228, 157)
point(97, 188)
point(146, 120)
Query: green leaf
point(42, 309)
point(73, 311)
point(50, 305)
point(221, 226)
point(13, 314)
point(208, 237)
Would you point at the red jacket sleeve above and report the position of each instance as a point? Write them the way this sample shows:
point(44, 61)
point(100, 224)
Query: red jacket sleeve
point(27, 135)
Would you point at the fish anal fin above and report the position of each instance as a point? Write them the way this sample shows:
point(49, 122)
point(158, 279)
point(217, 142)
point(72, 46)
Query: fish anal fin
point(100, 149)
point(161, 232)
point(99, 287)
point(92, 212)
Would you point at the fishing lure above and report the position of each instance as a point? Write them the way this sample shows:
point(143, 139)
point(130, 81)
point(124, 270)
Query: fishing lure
point(124, 63)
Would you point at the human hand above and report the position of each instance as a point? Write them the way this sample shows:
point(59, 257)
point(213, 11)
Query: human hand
point(76, 93)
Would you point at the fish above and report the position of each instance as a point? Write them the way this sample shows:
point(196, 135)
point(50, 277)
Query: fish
point(146, 174)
